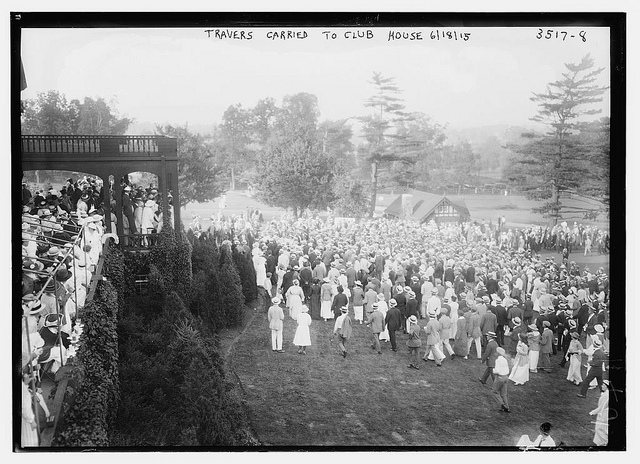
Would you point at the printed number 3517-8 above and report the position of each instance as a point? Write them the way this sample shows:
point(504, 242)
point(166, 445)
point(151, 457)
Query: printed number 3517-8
point(553, 34)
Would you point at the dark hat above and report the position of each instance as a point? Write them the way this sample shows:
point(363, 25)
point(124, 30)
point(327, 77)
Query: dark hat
point(33, 265)
point(545, 427)
point(63, 274)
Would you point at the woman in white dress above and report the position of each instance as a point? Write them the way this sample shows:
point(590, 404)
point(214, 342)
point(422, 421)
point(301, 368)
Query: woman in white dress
point(295, 296)
point(325, 300)
point(520, 371)
point(574, 355)
point(533, 338)
point(383, 308)
point(601, 436)
point(302, 338)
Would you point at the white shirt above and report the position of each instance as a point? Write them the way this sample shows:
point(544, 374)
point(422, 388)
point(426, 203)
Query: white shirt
point(502, 366)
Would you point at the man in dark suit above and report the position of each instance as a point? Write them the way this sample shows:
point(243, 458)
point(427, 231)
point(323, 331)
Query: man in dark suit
point(489, 356)
point(287, 281)
point(393, 322)
point(501, 316)
point(305, 281)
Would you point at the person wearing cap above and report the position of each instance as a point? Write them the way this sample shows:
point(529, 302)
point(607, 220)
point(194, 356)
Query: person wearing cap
point(500, 388)
point(393, 322)
point(574, 356)
point(501, 319)
point(489, 357)
point(375, 320)
point(543, 440)
point(601, 432)
point(343, 329)
point(596, 360)
point(589, 326)
point(275, 316)
point(516, 330)
point(414, 343)
point(433, 303)
point(533, 339)
point(444, 331)
point(520, 371)
point(302, 337)
point(425, 290)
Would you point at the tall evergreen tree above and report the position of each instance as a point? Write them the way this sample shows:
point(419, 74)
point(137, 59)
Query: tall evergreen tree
point(555, 161)
point(378, 129)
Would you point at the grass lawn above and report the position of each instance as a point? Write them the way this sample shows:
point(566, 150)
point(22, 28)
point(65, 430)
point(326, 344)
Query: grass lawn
point(369, 399)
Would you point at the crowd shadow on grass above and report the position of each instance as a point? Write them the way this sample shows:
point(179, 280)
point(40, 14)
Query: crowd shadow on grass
point(369, 400)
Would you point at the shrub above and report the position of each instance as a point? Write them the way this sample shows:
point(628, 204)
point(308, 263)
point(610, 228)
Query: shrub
point(231, 297)
point(93, 395)
point(247, 273)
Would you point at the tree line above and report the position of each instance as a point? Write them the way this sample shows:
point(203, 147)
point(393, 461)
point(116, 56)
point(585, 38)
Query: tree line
point(295, 160)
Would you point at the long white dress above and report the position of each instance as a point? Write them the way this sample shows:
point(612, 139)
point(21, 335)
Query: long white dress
point(520, 371)
point(575, 360)
point(383, 308)
point(29, 434)
point(294, 301)
point(601, 436)
point(303, 335)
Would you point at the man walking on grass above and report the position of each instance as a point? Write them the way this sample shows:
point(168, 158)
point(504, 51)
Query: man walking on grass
point(501, 380)
point(489, 356)
point(275, 316)
point(393, 322)
point(376, 321)
point(343, 329)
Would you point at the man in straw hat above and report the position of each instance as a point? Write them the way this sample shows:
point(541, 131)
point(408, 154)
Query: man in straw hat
point(393, 322)
point(595, 368)
point(375, 320)
point(275, 316)
point(343, 329)
point(432, 330)
point(489, 356)
point(414, 343)
point(501, 380)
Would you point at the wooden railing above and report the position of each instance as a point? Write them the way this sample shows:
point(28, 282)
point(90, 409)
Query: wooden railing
point(103, 144)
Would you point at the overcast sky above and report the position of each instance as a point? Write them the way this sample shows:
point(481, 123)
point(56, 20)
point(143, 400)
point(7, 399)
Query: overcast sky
point(183, 76)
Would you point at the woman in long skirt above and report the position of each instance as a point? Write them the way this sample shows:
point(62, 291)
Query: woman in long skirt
point(520, 372)
point(302, 338)
point(325, 300)
point(315, 299)
point(383, 308)
point(294, 299)
point(574, 355)
point(601, 436)
point(460, 345)
point(533, 338)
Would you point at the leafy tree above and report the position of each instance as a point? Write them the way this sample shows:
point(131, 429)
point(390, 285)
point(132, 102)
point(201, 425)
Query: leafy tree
point(51, 114)
point(231, 297)
point(378, 129)
point(595, 143)
point(198, 175)
point(293, 171)
point(234, 137)
point(97, 117)
point(554, 162)
point(264, 114)
point(352, 196)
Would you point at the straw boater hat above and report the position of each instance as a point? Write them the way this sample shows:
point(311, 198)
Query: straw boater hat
point(380, 296)
point(491, 334)
point(344, 309)
point(35, 307)
point(304, 309)
point(393, 303)
point(597, 343)
point(517, 321)
point(532, 327)
point(358, 283)
point(598, 328)
point(275, 300)
point(374, 306)
point(431, 313)
point(434, 291)
point(413, 320)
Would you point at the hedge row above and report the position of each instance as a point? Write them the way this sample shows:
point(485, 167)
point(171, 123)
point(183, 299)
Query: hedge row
point(93, 391)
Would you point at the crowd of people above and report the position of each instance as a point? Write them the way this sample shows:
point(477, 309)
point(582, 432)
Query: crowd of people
point(62, 241)
point(451, 290)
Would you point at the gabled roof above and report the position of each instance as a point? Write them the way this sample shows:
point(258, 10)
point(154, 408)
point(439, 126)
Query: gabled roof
point(424, 205)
